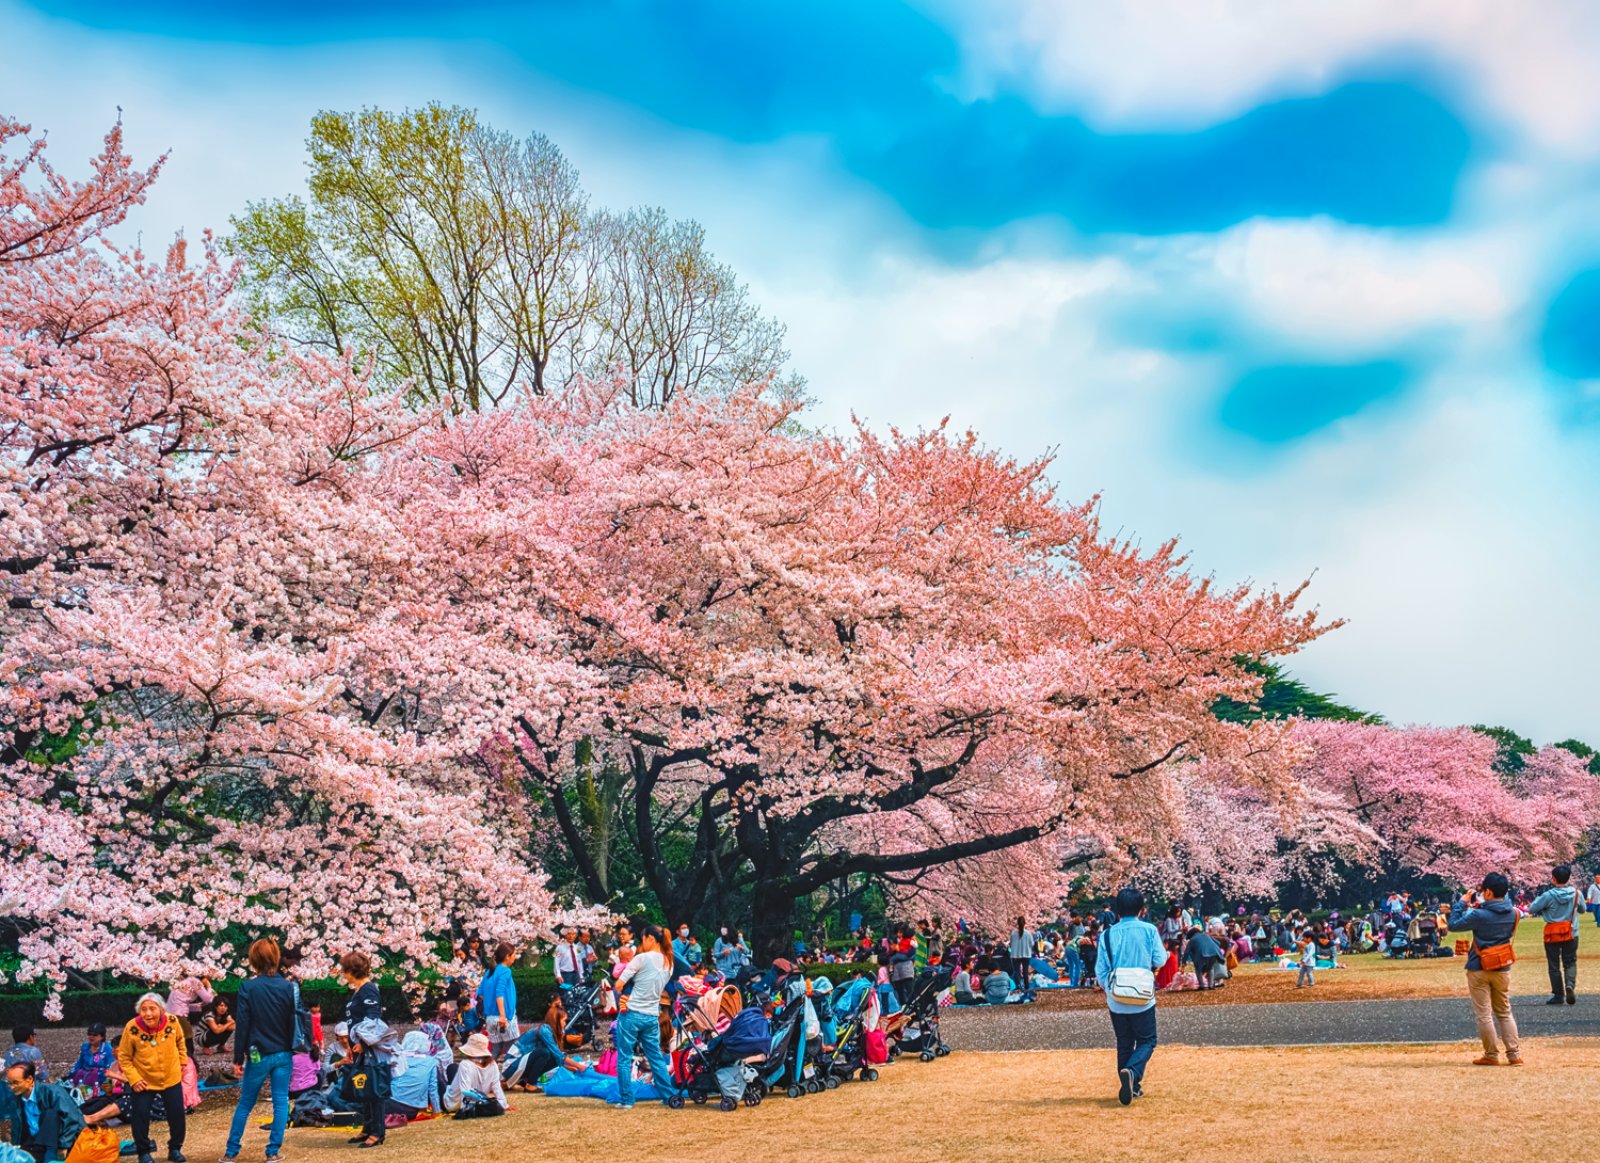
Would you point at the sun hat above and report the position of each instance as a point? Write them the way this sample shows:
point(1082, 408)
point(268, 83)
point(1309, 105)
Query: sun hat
point(477, 1046)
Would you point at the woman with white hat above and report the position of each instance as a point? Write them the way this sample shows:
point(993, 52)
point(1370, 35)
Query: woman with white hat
point(476, 1088)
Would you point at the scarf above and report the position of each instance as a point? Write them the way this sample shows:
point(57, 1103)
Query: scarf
point(139, 1021)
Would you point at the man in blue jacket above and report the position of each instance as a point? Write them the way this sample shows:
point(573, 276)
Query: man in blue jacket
point(1492, 921)
point(45, 1122)
point(1134, 947)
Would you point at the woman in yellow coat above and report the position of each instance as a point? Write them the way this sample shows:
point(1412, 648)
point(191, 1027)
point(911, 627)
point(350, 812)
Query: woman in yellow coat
point(151, 1053)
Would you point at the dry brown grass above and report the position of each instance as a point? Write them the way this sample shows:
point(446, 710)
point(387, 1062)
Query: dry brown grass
point(1300, 1103)
point(1370, 976)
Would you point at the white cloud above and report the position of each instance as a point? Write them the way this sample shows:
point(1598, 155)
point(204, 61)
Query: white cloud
point(1333, 288)
point(1193, 62)
point(1457, 531)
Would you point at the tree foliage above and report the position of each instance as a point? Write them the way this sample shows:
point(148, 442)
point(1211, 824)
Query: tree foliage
point(469, 264)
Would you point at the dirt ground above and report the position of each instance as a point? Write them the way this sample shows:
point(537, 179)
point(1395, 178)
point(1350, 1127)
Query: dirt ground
point(1299, 1104)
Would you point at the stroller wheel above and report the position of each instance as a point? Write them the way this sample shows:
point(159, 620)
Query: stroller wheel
point(728, 1104)
point(700, 1099)
point(833, 1082)
point(675, 1101)
point(869, 1075)
point(942, 1051)
point(795, 1091)
point(813, 1086)
point(894, 1053)
point(752, 1097)
point(927, 1055)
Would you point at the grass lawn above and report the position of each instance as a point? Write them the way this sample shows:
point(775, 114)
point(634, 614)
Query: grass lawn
point(1371, 976)
point(1301, 1103)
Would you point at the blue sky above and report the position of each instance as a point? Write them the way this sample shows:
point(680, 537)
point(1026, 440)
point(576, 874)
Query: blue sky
point(1316, 287)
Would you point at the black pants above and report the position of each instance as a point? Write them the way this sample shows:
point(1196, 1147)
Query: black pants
point(1202, 971)
point(172, 1100)
point(40, 1154)
point(372, 1115)
point(1561, 958)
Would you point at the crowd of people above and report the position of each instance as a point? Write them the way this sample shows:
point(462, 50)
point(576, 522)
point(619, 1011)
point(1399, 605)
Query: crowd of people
point(459, 1060)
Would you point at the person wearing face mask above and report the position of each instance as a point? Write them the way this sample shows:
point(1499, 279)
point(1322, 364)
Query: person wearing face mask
point(730, 953)
point(685, 952)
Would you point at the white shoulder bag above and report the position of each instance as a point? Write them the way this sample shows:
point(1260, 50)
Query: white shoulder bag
point(1134, 985)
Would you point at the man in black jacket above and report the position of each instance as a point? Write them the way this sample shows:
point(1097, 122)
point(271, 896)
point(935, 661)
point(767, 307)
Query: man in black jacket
point(263, 1047)
point(45, 1122)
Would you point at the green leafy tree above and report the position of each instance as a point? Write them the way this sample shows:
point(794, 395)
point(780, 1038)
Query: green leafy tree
point(469, 263)
point(1283, 697)
point(1514, 749)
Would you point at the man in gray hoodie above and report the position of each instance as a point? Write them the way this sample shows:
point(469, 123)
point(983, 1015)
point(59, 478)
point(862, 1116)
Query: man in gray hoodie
point(1492, 921)
point(1560, 906)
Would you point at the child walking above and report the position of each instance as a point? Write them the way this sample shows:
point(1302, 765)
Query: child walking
point(1308, 962)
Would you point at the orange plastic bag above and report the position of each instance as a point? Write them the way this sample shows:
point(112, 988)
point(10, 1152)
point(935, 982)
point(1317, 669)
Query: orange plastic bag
point(95, 1145)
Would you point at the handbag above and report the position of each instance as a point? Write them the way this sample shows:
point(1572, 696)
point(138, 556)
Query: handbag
point(1559, 932)
point(1134, 986)
point(1500, 956)
point(365, 1080)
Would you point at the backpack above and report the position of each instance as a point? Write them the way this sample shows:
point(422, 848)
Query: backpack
point(303, 1042)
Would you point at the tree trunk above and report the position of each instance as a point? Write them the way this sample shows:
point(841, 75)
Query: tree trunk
point(772, 926)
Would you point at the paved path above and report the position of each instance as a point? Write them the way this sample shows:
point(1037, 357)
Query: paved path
point(1277, 1024)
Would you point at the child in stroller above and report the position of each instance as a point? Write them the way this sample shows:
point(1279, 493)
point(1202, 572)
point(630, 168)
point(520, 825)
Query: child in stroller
point(728, 1064)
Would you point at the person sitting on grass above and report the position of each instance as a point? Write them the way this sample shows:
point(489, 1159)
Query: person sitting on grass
point(962, 985)
point(23, 1050)
point(95, 1057)
point(475, 1092)
point(998, 987)
point(217, 1026)
point(45, 1122)
point(538, 1051)
point(415, 1088)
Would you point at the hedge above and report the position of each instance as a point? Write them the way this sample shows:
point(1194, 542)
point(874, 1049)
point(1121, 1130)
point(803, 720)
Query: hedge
point(115, 1006)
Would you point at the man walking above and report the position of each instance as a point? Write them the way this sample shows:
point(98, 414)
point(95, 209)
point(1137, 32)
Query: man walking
point(1560, 906)
point(1130, 953)
point(1492, 922)
point(1592, 898)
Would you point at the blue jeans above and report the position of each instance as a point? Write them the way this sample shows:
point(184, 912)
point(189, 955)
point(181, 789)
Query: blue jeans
point(1074, 967)
point(274, 1069)
point(641, 1031)
point(1136, 1040)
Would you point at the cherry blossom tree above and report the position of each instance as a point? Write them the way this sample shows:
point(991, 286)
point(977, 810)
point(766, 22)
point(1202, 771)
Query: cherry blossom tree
point(776, 639)
point(1436, 804)
point(194, 569)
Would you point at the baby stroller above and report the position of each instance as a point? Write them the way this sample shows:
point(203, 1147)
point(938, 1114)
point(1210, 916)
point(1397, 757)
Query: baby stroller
point(915, 1029)
point(725, 1065)
point(583, 1015)
point(789, 1063)
point(849, 1054)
